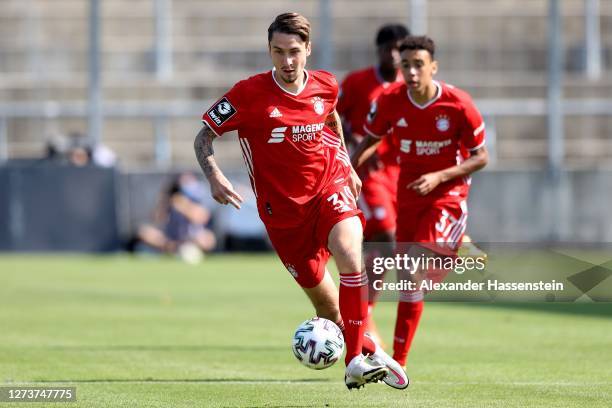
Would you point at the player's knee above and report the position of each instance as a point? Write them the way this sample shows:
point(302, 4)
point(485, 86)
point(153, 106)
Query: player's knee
point(347, 254)
point(347, 230)
point(346, 249)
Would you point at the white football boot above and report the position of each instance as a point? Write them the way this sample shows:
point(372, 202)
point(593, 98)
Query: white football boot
point(396, 376)
point(362, 370)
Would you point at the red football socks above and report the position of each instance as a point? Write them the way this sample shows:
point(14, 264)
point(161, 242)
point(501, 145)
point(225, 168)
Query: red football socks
point(368, 346)
point(409, 310)
point(354, 310)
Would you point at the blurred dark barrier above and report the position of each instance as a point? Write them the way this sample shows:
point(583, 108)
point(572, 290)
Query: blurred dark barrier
point(50, 207)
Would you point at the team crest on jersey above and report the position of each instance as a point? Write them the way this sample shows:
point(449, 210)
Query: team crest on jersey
point(319, 106)
point(221, 112)
point(442, 123)
point(292, 270)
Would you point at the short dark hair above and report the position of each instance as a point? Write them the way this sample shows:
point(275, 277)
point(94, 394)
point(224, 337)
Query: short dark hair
point(421, 42)
point(391, 32)
point(290, 23)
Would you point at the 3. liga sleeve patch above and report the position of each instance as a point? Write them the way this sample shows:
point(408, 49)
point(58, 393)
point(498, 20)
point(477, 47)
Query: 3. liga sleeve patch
point(221, 112)
point(372, 113)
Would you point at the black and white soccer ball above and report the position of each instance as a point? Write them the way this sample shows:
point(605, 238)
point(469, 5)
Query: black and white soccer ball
point(318, 343)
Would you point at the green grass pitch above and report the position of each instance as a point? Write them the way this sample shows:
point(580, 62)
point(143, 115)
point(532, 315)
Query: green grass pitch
point(157, 333)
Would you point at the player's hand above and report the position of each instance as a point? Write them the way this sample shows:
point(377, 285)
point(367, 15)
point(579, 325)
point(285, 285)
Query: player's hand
point(355, 184)
point(223, 192)
point(426, 183)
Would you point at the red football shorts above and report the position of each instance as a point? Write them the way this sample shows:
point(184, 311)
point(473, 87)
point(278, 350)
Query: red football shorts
point(303, 250)
point(378, 201)
point(440, 223)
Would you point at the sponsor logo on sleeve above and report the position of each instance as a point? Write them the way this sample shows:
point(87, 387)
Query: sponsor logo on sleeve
point(292, 270)
point(221, 112)
point(372, 113)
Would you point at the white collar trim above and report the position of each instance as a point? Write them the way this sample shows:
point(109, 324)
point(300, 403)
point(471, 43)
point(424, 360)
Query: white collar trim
point(300, 89)
point(435, 98)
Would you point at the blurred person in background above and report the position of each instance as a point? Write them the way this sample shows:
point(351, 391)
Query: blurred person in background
point(56, 147)
point(441, 139)
point(76, 150)
point(379, 175)
point(180, 223)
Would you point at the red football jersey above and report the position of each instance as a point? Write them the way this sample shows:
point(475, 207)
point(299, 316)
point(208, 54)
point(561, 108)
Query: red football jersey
point(357, 92)
point(289, 153)
point(431, 137)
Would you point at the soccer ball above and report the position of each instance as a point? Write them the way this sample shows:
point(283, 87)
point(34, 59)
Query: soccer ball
point(318, 343)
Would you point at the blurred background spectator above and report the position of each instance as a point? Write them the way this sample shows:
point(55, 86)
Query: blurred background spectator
point(180, 222)
point(76, 150)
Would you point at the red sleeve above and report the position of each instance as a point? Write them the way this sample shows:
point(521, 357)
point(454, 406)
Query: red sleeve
point(377, 123)
point(336, 94)
point(328, 86)
point(345, 98)
point(228, 112)
point(473, 131)
point(335, 91)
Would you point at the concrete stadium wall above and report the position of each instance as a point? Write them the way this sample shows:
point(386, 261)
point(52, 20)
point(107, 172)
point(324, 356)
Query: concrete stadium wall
point(530, 206)
point(494, 49)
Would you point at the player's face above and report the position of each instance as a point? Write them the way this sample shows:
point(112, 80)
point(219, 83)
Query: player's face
point(289, 54)
point(418, 69)
point(389, 55)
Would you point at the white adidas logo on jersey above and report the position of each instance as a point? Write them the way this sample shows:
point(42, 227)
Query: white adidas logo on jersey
point(401, 123)
point(275, 113)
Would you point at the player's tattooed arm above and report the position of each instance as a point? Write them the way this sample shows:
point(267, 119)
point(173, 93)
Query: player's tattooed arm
point(204, 151)
point(220, 187)
point(334, 122)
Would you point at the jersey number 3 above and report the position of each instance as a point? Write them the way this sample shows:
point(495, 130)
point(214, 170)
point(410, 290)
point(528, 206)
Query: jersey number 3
point(342, 200)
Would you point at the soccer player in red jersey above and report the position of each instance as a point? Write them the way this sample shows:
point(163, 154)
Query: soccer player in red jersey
point(378, 193)
point(292, 143)
point(441, 139)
